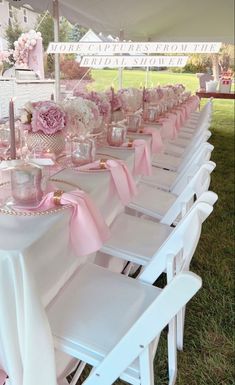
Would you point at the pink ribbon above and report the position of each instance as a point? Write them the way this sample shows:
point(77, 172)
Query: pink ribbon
point(169, 127)
point(88, 231)
point(3, 377)
point(143, 164)
point(157, 144)
point(121, 180)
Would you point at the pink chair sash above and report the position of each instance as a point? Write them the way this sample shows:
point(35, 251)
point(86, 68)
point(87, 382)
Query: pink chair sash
point(143, 164)
point(157, 144)
point(88, 231)
point(121, 178)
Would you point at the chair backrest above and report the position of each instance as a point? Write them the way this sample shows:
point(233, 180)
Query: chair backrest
point(182, 241)
point(146, 328)
point(192, 150)
point(198, 184)
point(201, 155)
point(206, 112)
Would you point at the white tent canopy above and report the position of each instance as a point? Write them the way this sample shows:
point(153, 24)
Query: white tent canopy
point(158, 20)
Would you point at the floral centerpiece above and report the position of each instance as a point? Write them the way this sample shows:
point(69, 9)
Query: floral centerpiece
point(81, 115)
point(131, 99)
point(45, 122)
point(101, 101)
point(4, 58)
point(25, 44)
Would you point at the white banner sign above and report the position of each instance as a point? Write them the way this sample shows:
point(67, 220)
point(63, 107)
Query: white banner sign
point(133, 61)
point(132, 48)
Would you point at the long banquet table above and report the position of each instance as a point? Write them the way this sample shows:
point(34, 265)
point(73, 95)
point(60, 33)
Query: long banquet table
point(38, 247)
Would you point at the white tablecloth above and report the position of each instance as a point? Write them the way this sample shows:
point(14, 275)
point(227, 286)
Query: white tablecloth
point(36, 259)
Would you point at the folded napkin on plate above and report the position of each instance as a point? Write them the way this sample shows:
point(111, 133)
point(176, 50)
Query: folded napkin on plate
point(157, 144)
point(143, 164)
point(121, 179)
point(88, 230)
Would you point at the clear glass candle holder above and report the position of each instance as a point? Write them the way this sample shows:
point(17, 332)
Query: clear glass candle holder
point(26, 184)
point(116, 135)
point(82, 151)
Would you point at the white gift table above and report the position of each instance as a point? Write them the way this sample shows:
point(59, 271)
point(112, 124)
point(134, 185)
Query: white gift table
point(23, 91)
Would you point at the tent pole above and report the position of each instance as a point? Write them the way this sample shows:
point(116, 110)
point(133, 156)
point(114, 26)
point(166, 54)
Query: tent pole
point(215, 63)
point(120, 70)
point(56, 19)
point(147, 72)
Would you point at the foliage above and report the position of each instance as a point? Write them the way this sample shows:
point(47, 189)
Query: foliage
point(13, 32)
point(199, 63)
point(226, 57)
point(72, 70)
point(46, 27)
point(77, 32)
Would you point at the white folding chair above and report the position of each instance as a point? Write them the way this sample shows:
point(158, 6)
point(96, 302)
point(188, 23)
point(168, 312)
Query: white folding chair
point(198, 117)
point(113, 320)
point(176, 163)
point(170, 180)
point(165, 206)
point(150, 244)
point(183, 146)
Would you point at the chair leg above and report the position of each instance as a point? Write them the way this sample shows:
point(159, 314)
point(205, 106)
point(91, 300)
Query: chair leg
point(146, 367)
point(78, 372)
point(180, 328)
point(172, 351)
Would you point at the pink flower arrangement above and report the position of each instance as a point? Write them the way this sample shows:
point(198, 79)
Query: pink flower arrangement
point(99, 99)
point(25, 43)
point(47, 117)
point(115, 100)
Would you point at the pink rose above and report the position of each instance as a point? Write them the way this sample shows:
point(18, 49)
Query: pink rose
point(48, 117)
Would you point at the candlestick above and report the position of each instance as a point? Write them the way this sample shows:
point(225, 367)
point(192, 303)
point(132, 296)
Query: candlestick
point(12, 130)
point(112, 100)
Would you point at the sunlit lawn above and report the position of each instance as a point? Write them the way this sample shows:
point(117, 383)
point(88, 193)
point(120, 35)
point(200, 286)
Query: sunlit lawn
point(208, 355)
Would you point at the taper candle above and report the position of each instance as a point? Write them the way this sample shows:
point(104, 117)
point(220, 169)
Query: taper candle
point(112, 100)
point(12, 130)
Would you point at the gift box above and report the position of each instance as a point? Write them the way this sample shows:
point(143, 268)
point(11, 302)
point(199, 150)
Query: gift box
point(225, 85)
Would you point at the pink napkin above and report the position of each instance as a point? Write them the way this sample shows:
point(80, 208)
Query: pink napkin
point(157, 144)
point(3, 377)
point(88, 231)
point(121, 179)
point(143, 165)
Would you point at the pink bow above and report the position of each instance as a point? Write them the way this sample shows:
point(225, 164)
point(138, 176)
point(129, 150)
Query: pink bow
point(157, 144)
point(88, 231)
point(121, 179)
point(143, 164)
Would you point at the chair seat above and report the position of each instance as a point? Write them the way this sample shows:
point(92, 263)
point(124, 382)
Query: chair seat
point(166, 161)
point(181, 142)
point(160, 178)
point(117, 302)
point(135, 238)
point(185, 135)
point(152, 201)
point(174, 149)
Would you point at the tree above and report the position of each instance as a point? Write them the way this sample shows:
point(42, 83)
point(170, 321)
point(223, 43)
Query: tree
point(45, 25)
point(77, 32)
point(13, 32)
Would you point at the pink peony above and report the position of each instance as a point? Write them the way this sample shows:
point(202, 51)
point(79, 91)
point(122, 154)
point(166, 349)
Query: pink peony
point(47, 117)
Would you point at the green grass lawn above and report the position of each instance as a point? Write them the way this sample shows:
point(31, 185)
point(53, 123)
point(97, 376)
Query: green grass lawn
point(207, 358)
point(105, 78)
